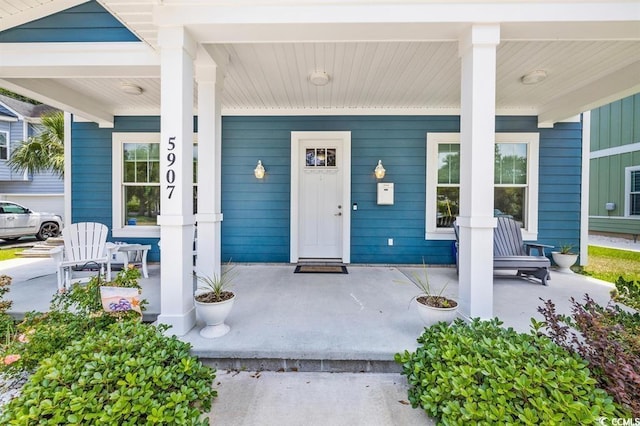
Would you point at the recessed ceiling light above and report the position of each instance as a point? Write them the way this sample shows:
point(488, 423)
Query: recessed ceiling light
point(319, 78)
point(533, 77)
point(131, 89)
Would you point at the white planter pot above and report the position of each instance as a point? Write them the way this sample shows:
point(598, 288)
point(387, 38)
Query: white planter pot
point(431, 315)
point(564, 261)
point(213, 315)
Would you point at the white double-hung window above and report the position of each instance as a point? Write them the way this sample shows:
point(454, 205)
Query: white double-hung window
point(4, 145)
point(515, 181)
point(136, 184)
point(632, 191)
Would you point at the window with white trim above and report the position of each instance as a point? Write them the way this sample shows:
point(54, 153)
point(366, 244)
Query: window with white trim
point(4, 146)
point(515, 181)
point(136, 184)
point(632, 191)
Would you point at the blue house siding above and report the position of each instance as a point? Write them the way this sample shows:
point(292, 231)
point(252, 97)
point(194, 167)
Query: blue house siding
point(91, 171)
point(40, 183)
point(560, 184)
point(6, 127)
point(257, 212)
point(4, 111)
point(15, 130)
point(13, 182)
point(88, 22)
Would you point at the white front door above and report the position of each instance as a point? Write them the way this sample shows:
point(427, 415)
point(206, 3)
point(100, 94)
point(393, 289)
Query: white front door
point(320, 205)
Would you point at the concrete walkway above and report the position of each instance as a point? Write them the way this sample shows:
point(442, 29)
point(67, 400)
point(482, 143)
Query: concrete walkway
point(313, 399)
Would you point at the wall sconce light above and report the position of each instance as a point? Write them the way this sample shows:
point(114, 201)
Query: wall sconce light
point(379, 170)
point(259, 170)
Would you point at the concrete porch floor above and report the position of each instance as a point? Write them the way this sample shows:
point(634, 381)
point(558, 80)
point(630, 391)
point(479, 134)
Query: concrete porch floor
point(354, 322)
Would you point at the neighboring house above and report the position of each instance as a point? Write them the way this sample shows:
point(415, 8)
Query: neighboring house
point(614, 182)
point(40, 191)
point(472, 108)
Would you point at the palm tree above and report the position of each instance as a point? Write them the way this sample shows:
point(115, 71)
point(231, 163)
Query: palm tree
point(44, 151)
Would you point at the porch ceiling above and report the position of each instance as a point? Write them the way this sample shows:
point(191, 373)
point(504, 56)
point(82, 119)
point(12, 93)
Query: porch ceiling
point(375, 67)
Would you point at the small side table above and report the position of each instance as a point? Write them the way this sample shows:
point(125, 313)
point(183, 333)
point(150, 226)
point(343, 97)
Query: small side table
point(135, 254)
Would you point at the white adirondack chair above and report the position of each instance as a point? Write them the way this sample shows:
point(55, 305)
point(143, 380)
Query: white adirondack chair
point(85, 243)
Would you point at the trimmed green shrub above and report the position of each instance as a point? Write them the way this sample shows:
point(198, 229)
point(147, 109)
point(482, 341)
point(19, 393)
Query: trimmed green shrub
point(72, 315)
point(481, 373)
point(7, 326)
point(127, 374)
point(627, 293)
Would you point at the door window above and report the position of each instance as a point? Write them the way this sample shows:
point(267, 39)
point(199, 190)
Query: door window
point(320, 157)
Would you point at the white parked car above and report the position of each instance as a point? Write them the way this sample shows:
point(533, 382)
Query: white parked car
point(18, 221)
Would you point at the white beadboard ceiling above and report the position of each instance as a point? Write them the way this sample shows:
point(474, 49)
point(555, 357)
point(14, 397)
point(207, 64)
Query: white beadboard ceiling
point(373, 67)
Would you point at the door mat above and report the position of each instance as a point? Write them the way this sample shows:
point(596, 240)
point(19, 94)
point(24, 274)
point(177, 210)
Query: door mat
point(321, 269)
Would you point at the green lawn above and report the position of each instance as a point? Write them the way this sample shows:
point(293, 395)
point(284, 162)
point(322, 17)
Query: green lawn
point(10, 253)
point(608, 264)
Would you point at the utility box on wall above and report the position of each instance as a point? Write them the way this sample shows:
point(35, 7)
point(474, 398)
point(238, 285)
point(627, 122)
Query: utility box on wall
point(385, 193)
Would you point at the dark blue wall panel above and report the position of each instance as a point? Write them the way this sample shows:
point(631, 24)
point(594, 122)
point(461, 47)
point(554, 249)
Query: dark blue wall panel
point(560, 184)
point(88, 22)
point(257, 212)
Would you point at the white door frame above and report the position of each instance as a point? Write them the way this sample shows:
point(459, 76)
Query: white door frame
point(296, 139)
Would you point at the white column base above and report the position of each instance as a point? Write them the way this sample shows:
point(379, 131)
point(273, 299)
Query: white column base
point(180, 324)
point(476, 267)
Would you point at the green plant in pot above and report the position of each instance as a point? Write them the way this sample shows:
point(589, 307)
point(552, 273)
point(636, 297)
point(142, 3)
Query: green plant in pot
point(565, 258)
point(433, 307)
point(214, 300)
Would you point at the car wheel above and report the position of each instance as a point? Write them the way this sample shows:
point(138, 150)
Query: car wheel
point(48, 229)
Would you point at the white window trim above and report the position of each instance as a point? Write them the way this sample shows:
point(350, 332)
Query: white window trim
point(119, 230)
point(627, 190)
point(8, 145)
point(533, 150)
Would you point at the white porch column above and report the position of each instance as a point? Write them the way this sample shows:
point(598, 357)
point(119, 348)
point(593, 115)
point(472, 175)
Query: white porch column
point(477, 50)
point(209, 75)
point(177, 52)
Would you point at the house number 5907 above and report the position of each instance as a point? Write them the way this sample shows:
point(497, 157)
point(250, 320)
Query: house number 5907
point(171, 160)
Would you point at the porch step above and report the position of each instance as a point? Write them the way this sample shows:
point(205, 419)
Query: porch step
point(41, 249)
point(36, 251)
point(301, 365)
